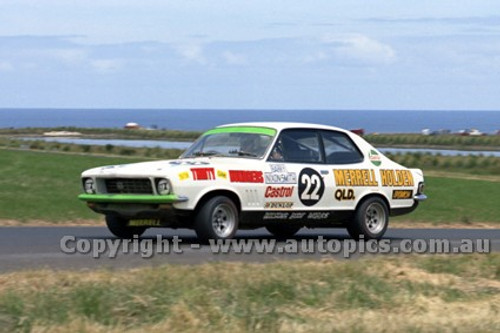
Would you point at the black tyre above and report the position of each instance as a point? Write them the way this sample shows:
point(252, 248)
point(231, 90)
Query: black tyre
point(371, 219)
point(216, 219)
point(282, 231)
point(118, 227)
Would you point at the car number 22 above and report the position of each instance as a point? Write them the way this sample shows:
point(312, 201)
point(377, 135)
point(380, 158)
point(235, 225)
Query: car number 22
point(311, 187)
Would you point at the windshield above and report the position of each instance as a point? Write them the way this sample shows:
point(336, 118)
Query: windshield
point(232, 142)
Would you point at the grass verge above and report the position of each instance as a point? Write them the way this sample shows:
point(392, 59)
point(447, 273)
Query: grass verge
point(407, 293)
point(43, 186)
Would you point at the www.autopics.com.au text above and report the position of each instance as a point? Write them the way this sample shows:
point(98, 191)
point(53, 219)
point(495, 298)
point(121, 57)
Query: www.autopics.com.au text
point(149, 247)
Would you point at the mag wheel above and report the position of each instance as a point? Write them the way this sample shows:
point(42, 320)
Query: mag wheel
point(217, 219)
point(118, 227)
point(371, 219)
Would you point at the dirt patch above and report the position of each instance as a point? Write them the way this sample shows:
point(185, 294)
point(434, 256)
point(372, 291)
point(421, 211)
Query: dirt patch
point(445, 225)
point(42, 223)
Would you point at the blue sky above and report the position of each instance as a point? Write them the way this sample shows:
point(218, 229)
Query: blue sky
point(382, 55)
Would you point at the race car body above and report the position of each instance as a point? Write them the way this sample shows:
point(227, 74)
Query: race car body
point(282, 176)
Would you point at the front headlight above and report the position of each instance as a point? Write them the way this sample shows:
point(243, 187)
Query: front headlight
point(163, 186)
point(421, 187)
point(89, 186)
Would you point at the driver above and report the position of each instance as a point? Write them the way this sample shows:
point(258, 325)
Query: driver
point(253, 144)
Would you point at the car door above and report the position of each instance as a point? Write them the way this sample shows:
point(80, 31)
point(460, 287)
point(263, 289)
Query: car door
point(297, 177)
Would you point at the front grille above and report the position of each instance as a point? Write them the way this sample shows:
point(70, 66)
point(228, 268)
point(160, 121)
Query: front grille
point(128, 185)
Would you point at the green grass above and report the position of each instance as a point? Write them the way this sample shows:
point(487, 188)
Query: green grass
point(476, 165)
point(44, 186)
point(452, 200)
point(365, 295)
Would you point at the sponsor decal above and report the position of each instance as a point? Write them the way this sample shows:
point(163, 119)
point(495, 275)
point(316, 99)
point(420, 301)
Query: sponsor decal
point(355, 177)
point(203, 173)
point(144, 223)
point(278, 192)
point(278, 205)
point(402, 194)
point(183, 175)
point(221, 174)
point(244, 176)
point(311, 187)
point(275, 216)
point(374, 157)
point(297, 216)
point(280, 175)
point(279, 168)
point(318, 215)
point(344, 194)
point(396, 178)
point(281, 178)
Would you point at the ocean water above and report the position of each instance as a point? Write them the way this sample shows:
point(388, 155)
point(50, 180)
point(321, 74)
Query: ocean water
point(371, 121)
point(185, 145)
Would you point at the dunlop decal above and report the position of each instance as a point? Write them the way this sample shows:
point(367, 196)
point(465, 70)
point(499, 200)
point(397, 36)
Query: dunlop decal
point(278, 205)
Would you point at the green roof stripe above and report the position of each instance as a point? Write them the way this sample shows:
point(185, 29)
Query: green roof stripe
point(242, 129)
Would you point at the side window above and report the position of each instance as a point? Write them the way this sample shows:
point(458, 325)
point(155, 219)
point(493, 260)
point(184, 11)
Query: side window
point(297, 145)
point(339, 148)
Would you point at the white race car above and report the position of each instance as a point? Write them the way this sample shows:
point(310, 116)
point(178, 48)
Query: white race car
point(281, 176)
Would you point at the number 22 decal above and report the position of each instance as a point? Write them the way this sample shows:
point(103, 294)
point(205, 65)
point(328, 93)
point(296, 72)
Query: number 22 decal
point(311, 187)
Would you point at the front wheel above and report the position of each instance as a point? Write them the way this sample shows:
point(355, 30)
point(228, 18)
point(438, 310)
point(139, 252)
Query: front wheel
point(371, 219)
point(119, 227)
point(217, 219)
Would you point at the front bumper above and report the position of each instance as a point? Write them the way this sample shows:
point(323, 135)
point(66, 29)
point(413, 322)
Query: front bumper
point(420, 197)
point(132, 198)
point(134, 206)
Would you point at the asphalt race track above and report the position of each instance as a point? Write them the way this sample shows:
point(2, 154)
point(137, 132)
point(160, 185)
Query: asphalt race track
point(23, 248)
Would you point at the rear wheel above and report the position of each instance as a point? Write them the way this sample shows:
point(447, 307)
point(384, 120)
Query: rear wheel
point(371, 219)
point(119, 227)
point(282, 231)
point(217, 219)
